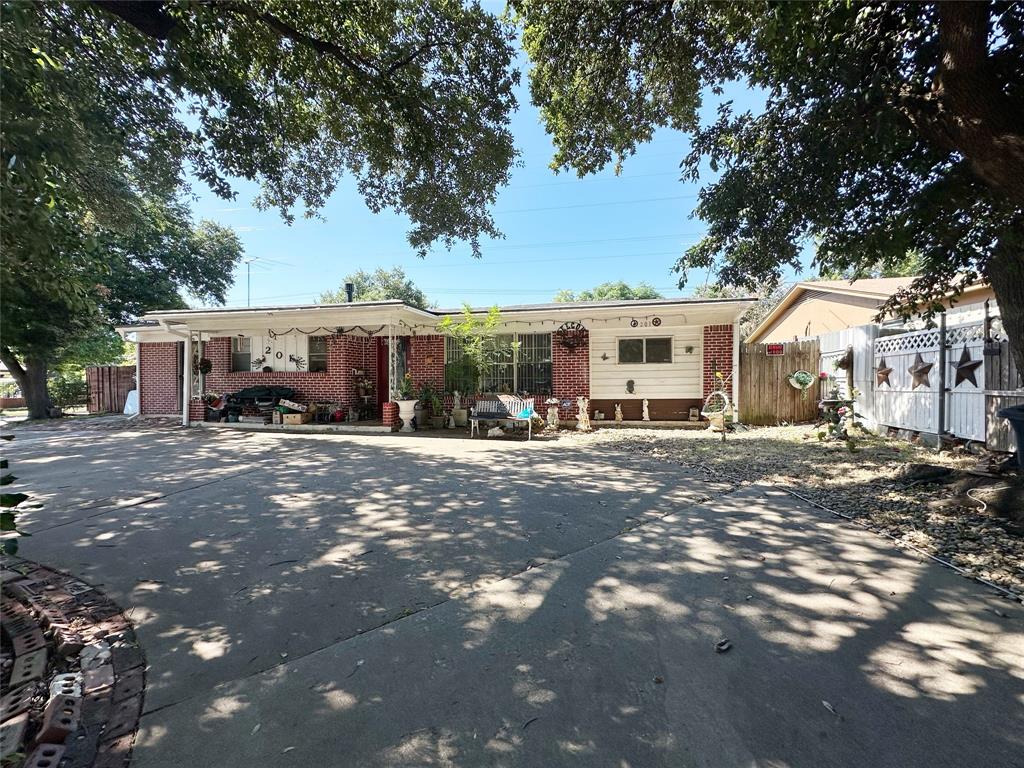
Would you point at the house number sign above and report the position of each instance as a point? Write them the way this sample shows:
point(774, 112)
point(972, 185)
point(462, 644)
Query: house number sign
point(645, 322)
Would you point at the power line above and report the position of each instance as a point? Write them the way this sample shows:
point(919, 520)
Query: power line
point(596, 205)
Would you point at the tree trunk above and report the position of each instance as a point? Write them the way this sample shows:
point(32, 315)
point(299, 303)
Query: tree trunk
point(1005, 273)
point(32, 379)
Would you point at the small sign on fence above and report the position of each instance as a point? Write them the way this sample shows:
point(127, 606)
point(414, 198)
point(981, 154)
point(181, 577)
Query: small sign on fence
point(775, 350)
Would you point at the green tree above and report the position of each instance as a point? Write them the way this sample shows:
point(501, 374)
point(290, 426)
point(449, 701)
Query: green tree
point(107, 105)
point(59, 309)
point(767, 297)
point(611, 291)
point(379, 285)
point(888, 128)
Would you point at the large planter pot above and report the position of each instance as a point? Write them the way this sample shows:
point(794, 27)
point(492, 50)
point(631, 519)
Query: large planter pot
point(461, 416)
point(1015, 415)
point(406, 412)
point(421, 416)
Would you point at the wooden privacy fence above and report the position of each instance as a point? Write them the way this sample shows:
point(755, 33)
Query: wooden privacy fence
point(766, 396)
point(109, 386)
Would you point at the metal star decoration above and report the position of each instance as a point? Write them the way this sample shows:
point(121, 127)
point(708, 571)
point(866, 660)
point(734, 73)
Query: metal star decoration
point(919, 372)
point(966, 367)
point(882, 374)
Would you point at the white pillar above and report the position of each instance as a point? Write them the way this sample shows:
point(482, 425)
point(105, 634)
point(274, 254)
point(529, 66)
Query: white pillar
point(138, 373)
point(186, 380)
point(736, 368)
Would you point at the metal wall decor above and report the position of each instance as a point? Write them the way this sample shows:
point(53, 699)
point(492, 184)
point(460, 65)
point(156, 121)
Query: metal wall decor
point(919, 372)
point(645, 322)
point(965, 368)
point(882, 374)
point(570, 334)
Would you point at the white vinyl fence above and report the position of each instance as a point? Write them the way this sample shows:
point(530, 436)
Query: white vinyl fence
point(906, 380)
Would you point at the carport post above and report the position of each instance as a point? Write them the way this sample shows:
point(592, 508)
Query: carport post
point(736, 369)
point(186, 379)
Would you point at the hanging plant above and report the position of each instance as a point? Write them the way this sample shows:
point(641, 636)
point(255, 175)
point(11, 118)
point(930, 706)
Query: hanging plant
point(203, 365)
point(801, 380)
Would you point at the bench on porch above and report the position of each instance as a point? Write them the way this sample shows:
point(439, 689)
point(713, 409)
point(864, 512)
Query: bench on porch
point(505, 408)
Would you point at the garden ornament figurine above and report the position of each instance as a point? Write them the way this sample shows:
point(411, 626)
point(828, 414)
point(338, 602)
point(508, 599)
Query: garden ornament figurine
point(618, 413)
point(647, 412)
point(456, 400)
point(582, 414)
point(552, 404)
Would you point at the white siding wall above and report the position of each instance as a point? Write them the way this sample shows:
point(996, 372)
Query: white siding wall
point(282, 353)
point(679, 379)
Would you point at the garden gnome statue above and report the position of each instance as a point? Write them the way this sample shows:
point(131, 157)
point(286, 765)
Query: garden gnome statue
point(582, 415)
point(647, 412)
point(552, 413)
point(456, 400)
point(618, 413)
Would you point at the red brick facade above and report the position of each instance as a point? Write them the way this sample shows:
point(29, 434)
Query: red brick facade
point(159, 393)
point(570, 375)
point(426, 360)
point(718, 342)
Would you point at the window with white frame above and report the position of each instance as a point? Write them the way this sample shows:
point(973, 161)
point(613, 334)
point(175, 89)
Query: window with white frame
point(645, 350)
point(525, 367)
point(241, 353)
point(317, 354)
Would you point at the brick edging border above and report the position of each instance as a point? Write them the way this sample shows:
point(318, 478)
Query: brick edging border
point(86, 639)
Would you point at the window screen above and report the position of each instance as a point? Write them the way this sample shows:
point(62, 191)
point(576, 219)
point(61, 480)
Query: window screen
point(645, 350)
point(533, 369)
point(241, 353)
point(631, 350)
point(658, 350)
point(318, 354)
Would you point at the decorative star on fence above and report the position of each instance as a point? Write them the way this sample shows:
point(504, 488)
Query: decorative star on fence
point(919, 372)
point(882, 374)
point(965, 368)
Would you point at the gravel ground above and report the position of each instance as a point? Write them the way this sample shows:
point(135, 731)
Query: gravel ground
point(866, 484)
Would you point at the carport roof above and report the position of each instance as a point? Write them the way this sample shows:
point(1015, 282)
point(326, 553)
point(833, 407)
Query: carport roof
point(397, 313)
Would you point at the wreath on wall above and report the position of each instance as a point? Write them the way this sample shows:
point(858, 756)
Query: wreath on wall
point(571, 334)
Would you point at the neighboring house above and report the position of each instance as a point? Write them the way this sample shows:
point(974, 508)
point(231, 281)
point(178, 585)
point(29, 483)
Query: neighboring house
point(666, 351)
point(818, 307)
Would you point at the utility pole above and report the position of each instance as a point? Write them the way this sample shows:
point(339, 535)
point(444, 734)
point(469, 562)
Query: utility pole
point(248, 281)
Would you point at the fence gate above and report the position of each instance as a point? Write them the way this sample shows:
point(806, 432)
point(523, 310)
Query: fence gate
point(109, 386)
point(766, 396)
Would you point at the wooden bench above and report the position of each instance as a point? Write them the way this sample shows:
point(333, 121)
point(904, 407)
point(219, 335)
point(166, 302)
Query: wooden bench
point(505, 408)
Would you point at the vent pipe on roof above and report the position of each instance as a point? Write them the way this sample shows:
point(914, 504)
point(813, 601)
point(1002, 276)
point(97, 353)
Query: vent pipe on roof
point(350, 289)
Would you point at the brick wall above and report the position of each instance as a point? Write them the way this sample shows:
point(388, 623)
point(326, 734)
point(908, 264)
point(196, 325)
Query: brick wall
point(570, 375)
point(158, 368)
point(717, 355)
point(426, 360)
point(335, 385)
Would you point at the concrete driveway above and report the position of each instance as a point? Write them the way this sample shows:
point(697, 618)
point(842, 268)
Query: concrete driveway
point(408, 601)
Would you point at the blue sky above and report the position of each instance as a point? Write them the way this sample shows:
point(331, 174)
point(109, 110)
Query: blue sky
point(560, 232)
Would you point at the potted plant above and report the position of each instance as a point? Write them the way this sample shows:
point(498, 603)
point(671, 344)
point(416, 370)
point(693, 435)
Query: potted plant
point(801, 380)
point(481, 343)
point(407, 402)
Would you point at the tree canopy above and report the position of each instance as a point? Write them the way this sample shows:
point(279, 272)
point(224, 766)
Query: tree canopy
point(611, 291)
point(888, 128)
point(379, 285)
point(109, 107)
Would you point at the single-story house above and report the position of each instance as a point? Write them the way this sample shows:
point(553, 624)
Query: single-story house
point(815, 308)
point(665, 351)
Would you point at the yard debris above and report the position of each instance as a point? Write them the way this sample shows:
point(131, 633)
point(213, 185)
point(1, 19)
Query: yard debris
point(659, 680)
point(829, 707)
point(529, 722)
point(255, 729)
point(723, 645)
point(286, 750)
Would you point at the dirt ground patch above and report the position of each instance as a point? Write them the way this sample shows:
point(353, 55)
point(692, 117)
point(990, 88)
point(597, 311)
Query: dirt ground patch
point(871, 484)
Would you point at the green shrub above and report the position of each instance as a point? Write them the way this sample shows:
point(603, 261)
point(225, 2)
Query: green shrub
point(68, 390)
